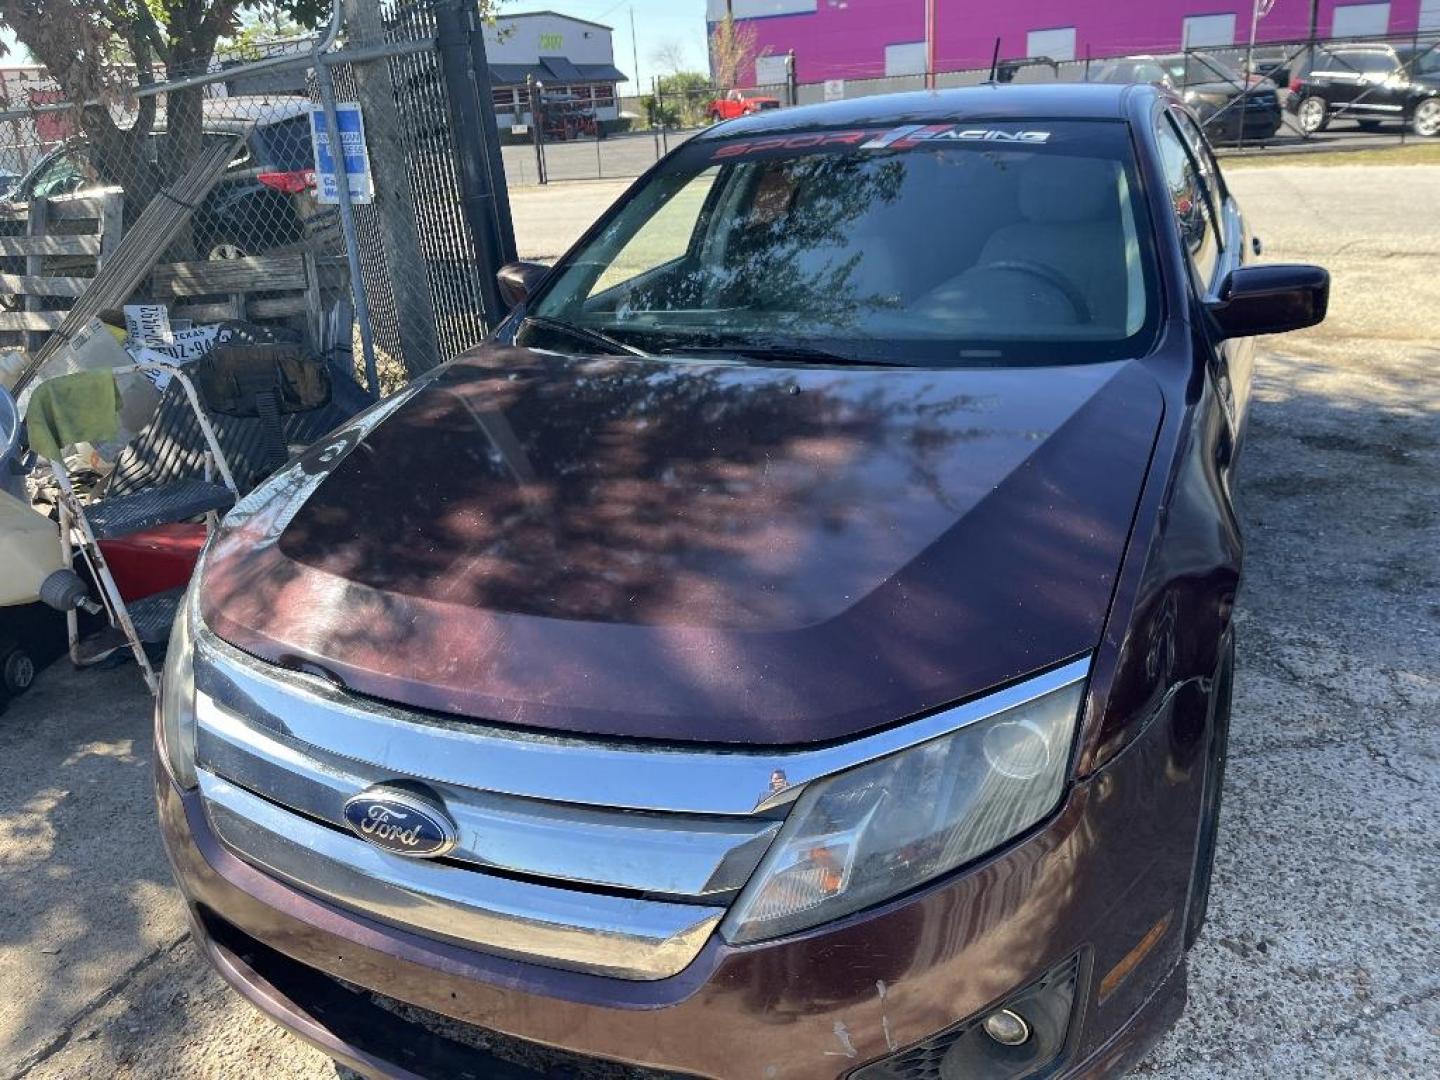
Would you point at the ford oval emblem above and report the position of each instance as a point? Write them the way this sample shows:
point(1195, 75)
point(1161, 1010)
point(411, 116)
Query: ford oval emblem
point(401, 821)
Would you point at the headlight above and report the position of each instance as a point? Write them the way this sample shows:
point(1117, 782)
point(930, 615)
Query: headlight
point(177, 697)
point(876, 831)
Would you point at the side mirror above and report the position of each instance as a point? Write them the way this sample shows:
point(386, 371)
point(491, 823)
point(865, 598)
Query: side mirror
point(1271, 299)
point(518, 280)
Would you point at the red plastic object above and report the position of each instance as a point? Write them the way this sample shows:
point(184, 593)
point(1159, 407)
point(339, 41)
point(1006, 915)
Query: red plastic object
point(152, 561)
point(291, 183)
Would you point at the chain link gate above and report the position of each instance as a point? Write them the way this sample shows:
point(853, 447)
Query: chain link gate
point(426, 269)
point(403, 276)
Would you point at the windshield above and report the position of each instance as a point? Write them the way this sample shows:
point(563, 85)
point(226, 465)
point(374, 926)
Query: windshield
point(1140, 71)
point(286, 146)
point(990, 243)
point(1202, 68)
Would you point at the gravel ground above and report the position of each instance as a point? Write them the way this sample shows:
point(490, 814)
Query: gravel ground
point(1320, 959)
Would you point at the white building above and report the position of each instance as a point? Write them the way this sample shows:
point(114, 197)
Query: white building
point(568, 56)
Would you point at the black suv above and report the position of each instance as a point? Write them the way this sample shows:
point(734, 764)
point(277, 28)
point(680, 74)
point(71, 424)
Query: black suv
point(1371, 84)
point(1216, 91)
point(264, 201)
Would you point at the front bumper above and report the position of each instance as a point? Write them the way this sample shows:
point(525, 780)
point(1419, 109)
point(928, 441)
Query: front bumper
point(1105, 879)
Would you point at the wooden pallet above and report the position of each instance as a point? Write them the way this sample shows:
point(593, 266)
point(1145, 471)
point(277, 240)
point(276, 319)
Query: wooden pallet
point(292, 289)
point(64, 242)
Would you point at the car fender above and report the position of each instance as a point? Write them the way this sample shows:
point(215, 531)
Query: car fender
point(1175, 594)
point(1418, 94)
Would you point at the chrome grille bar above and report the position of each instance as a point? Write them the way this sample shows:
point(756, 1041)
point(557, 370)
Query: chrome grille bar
point(590, 772)
point(674, 854)
point(611, 935)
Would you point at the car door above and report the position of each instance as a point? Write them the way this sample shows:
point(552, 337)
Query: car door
point(1336, 76)
point(1238, 355)
point(1212, 233)
point(1381, 86)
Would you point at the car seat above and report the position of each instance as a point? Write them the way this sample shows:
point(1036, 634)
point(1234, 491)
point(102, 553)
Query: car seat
point(1070, 222)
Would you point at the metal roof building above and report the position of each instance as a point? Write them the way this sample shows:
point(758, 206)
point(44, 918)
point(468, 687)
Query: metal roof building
point(567, 56)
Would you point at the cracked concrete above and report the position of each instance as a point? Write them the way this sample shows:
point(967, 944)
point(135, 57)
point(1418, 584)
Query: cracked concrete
point(1320, 959)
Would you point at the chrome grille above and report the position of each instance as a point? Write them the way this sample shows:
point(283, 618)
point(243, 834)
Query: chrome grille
point(677, 855)
point(610, 935)
point(617, 891)
point(606, 856)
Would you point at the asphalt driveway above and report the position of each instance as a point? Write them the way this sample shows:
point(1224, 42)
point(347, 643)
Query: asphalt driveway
point(1320, 958)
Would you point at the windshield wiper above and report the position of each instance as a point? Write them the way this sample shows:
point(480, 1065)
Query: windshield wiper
point(780, 353)
point(584, 333)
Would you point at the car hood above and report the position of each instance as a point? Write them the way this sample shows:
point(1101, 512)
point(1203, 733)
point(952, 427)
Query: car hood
point(686, 550)
point(1231, 90)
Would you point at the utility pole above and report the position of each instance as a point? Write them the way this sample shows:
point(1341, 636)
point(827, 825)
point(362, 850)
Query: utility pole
point(930, 44)
point(465, 67)
point(635, 49)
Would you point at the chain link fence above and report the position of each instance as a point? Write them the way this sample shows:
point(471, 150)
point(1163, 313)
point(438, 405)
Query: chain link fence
point(558, 147)
point(1283, 95)
point(392, 269)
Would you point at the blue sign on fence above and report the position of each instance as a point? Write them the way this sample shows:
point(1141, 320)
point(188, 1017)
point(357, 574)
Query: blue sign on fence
point(357, 157)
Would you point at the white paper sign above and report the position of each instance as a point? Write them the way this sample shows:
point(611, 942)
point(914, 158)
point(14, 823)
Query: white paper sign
point(834, 89)
point(148, 325)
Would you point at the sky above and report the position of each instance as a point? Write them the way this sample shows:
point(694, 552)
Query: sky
point(14, 54)
point(657, 22)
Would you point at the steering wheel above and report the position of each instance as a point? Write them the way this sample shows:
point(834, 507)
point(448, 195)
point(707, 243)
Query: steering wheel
point(1052, 277)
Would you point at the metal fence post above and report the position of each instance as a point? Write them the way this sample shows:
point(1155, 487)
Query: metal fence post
point(347, 224)
point(1414, 62)
point(494, 159)
point(471, 104)
point(395, 200)
point(536, 91)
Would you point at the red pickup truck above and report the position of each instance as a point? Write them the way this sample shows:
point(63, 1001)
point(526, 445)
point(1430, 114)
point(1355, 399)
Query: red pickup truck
point(736, 104)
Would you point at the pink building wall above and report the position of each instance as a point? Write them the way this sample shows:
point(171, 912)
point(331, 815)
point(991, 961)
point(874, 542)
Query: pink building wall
point(846, 39)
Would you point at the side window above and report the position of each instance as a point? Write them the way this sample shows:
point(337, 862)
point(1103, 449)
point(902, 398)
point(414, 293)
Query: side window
point(241, 160)
point(1187, 200)
point(664, 238)
point(1209, 167)
point(66, 173)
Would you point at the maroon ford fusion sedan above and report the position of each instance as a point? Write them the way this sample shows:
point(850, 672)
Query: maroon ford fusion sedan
point(796, 645)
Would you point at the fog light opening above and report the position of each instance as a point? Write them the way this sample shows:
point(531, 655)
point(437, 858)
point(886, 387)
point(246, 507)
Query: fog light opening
point(1007, 1027)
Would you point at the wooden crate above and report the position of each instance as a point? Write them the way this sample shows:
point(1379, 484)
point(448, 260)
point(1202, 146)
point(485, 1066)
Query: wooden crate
point(293, 289)
point(63, 243)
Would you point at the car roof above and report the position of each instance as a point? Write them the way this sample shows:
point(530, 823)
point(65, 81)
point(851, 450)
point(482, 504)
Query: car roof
point(245, 111)
point(1057, 101)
